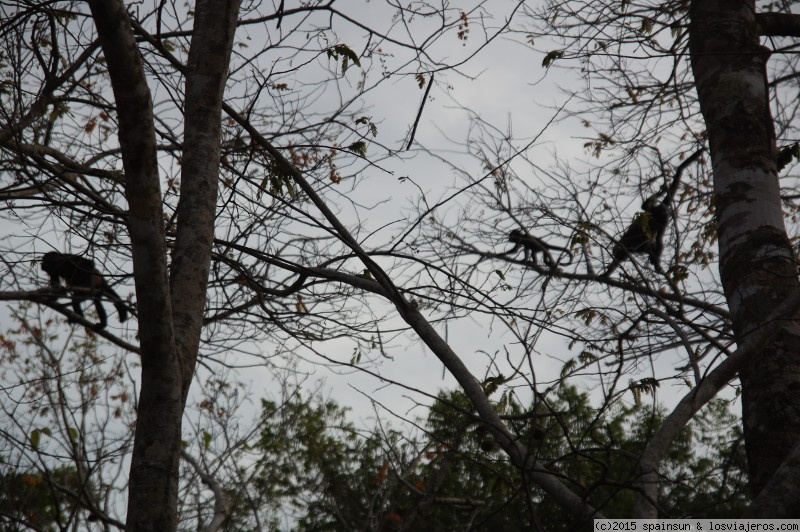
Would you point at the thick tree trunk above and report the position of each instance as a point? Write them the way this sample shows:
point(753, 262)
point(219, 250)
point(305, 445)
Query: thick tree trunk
point(169, 320)
point(153, 485)
point(206, 73)
point(757, 265)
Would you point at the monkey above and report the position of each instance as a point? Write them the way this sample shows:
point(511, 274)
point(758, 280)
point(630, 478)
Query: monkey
point(532, 246)
point(78, 272)
point(644, 235)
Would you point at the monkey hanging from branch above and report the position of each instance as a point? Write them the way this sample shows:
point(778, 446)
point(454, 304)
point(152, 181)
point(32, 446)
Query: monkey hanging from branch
point(79, 273)
point(645, 234)
point(533, 245)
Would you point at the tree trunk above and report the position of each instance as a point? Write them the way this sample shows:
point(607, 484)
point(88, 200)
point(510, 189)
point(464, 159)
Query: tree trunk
point(757, 266)
point(153, 485)
point(169, 320)
point(206, 73)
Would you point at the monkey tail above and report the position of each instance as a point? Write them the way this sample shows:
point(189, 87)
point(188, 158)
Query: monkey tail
point(563, 250)
point(607, 273)
point(122, 310)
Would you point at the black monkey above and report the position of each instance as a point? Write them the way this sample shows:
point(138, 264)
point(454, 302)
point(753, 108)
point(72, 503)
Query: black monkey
point(532, 246)
point(78, 272)
point(644, 235)
point(646, 232)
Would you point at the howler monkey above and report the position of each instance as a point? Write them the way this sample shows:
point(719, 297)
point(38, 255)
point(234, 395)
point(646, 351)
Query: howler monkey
point(645, 234)
point(78, 272)
point(532, 246)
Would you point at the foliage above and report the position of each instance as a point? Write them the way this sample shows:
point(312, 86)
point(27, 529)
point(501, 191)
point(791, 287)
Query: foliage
point(317, 468)
point(35, 500)
point(65, 431)
point(334, 477)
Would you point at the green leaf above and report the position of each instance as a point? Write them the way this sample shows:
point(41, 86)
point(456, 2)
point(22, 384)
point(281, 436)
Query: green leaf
point(568, 367)
point(359, 148)
point(502, 404)
point(35, 437)
point(491, 384)
point(367, 121)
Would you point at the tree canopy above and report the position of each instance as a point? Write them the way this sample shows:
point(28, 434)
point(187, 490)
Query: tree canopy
point(275, 192)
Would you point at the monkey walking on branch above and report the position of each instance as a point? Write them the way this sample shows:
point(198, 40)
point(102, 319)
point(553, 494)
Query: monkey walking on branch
point(533, 245)
point(78, 272)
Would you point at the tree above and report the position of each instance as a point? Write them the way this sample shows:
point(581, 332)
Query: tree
point(33, 501)
point(251, 239)
point(65, 427)
point(757, 263)
point(97, 187)
point(169, 340)
point(452, 476)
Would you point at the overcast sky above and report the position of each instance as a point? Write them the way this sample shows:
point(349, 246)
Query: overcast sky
point(506, 85)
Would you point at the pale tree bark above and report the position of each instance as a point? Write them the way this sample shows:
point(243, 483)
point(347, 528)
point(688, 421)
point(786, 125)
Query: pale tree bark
point(757, 265)
point(223, 506)
point(169, 321)
point(154, 463)
point(207, 71)
point(645, 506)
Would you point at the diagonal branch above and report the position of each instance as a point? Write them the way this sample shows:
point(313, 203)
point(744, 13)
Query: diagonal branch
point(647, 479)
point(778, 24)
